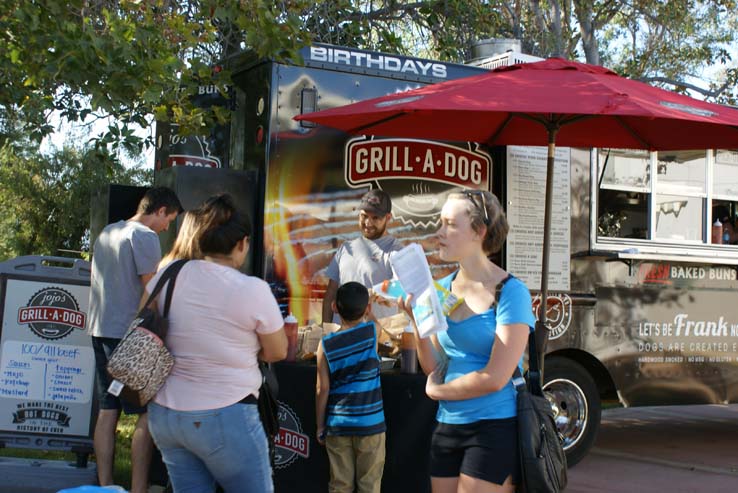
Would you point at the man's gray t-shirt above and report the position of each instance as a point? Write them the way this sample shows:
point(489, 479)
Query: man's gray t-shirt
point(367, 262)
point(124, 251)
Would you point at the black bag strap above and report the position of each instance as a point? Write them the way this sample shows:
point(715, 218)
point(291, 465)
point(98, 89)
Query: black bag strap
point(534, 370)
point(517, 380)
point(520, 383)
point(170, 274)
point(498, 289)
point(269, 378)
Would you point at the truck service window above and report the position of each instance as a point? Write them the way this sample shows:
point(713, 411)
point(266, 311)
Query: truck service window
point(625, 186)
point(669, 197)
point(725, 175)
point(725, 195)
point(681, 190)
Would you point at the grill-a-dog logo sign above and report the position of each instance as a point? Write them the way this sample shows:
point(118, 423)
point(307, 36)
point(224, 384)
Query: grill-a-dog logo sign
point(52, 313)
point(418, 174)
point(558, 314)
point(291, 441)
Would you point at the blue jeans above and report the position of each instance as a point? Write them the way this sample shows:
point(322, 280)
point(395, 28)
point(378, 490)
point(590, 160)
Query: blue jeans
point(226, 445)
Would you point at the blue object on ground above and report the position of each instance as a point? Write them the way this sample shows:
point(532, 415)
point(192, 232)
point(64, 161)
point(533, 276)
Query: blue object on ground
point(94, 489)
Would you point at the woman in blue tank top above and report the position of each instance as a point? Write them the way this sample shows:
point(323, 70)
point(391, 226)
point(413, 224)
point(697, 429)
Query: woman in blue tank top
point(474, 446)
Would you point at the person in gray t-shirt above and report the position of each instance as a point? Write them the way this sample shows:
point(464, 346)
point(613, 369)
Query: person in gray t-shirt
point(125, 256)
point(364, 259)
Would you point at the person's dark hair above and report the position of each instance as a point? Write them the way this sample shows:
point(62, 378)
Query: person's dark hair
point(158, 197)
point(486, 214)
point(352, 299)
point(220, 226)
point(376, 201)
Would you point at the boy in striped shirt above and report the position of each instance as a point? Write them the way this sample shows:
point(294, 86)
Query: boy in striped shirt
point(349, 410)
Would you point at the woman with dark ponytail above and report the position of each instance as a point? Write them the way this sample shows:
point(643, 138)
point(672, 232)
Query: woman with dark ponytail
point(474, 447)
point(221, 322)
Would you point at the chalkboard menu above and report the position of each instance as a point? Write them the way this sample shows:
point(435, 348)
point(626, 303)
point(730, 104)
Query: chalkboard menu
point(47, 364)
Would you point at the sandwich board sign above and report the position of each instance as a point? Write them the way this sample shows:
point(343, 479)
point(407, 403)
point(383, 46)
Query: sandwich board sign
point(47, 364)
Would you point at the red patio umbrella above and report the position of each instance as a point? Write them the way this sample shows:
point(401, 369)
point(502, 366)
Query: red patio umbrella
point(583, 105)
point(553, 101)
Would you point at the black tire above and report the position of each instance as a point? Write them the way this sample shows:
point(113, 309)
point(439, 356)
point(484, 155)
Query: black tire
point(576, 402)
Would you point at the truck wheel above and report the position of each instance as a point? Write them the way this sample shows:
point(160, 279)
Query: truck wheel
point(576, 403)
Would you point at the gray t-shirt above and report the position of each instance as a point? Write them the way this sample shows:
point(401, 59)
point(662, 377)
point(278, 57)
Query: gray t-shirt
point(365, 261)
point(124, 251)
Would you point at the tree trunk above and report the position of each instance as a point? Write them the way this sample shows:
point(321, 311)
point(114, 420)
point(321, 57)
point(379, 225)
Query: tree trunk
point(585, 16)
point(557, 29)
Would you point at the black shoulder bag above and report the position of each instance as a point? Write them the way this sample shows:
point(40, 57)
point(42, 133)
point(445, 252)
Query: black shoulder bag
point(540, 445)
point(542, 457)
point(269, 407)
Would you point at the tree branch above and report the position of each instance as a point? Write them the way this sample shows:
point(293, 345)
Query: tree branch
point(387, 12)
point(678, 83)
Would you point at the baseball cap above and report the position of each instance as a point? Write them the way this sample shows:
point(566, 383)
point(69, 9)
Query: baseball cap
point(376, 201)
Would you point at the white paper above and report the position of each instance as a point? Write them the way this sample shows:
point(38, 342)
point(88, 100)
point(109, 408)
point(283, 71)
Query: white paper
point(526, 171)
point(411, 269)
point(115, 388)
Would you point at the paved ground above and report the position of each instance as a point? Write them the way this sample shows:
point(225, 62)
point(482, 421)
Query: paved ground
point(680, 449)
point(41, 476)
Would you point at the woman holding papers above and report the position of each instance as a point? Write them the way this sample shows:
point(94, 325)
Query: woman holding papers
point(474, 446)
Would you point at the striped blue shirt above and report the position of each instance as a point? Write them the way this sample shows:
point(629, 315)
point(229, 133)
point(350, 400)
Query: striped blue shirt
point(355, 397)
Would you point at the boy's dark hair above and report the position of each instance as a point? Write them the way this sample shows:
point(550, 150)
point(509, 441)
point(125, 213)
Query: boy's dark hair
point(352, 299)
point(158, 197)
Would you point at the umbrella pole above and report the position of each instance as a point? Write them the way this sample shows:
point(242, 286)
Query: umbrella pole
point(541, 331)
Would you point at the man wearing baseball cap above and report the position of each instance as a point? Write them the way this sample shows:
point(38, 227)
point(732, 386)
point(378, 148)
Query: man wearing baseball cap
point(364, 259)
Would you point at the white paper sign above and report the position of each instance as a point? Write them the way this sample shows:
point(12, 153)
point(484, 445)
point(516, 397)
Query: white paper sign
point(526, 180)
point(47, 372)
point(47, 364)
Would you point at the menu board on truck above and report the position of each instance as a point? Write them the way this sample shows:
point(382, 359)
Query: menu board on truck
point(526, 179)
point(46, 358)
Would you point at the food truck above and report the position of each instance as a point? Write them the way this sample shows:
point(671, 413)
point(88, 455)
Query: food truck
point(642, 305)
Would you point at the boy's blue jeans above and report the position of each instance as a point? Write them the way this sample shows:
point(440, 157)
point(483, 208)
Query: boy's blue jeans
point(226, 445)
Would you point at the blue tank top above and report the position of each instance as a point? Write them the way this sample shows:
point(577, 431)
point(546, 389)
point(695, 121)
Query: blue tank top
point(355, 397)
point(468, 344)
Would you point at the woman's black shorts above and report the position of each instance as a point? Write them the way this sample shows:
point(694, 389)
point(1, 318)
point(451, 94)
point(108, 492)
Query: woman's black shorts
point(486, 450)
